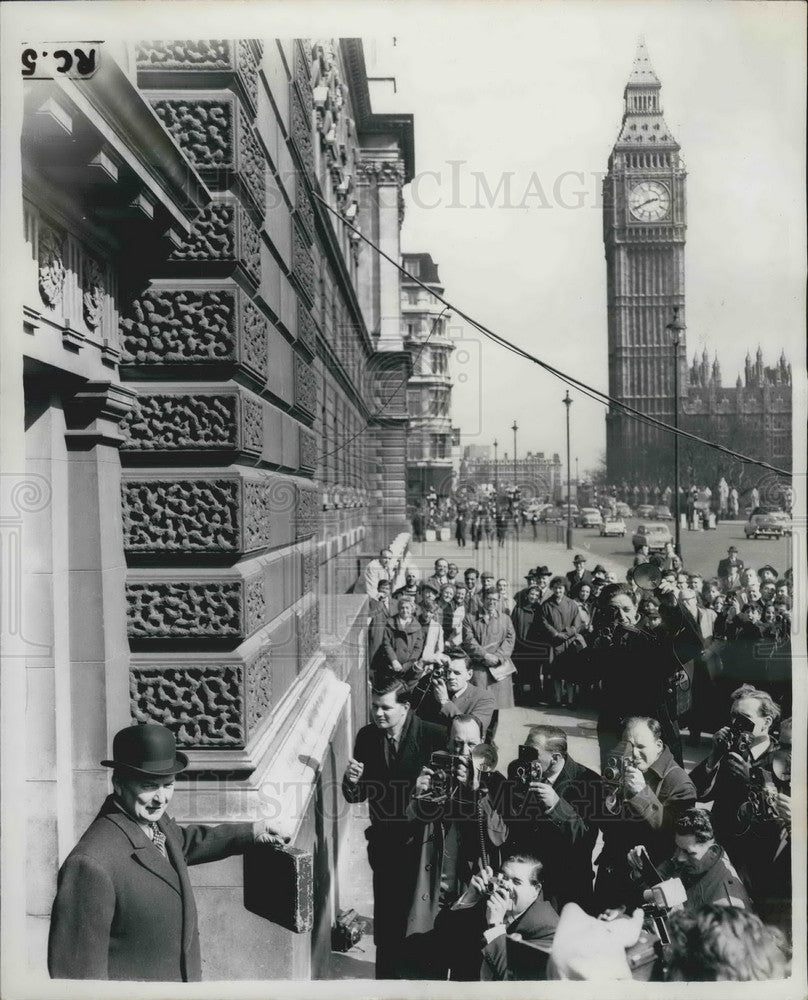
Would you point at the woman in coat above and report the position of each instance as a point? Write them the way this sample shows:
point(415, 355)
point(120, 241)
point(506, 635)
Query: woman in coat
point(402, 645)
point(561, 625)
point(488, 638)
point(527, 644)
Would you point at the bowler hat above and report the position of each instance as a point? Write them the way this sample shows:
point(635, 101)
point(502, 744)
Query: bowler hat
point(600, 569)
point(579, 558)
point(543, 571)
point(531, 574)
point(148, 749)
point(770, 568)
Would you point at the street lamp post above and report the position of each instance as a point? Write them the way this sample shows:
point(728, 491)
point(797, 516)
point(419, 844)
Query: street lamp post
point(514, 428)
point(677, 328)
point(567, 401)
point(496, 470)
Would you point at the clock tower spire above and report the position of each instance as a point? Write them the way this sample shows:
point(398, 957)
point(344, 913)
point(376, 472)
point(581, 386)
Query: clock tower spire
point(644, 225)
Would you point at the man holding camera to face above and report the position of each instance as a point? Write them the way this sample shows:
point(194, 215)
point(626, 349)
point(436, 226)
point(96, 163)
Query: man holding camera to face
point(555, 802)
point(451, 693)
point(738, 778)
point(648, 791)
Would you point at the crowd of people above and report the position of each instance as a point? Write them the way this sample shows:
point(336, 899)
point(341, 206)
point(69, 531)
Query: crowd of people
point(468, 859)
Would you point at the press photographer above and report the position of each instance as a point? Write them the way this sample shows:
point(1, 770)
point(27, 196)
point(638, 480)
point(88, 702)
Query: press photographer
point(731, 777)
point(698, 860)
point(448, 693)
point(554, 802)
point(648, 791)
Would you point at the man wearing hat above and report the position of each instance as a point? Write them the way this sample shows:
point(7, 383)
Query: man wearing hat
point(124, 906)
point(577, 576)
point(731, 567)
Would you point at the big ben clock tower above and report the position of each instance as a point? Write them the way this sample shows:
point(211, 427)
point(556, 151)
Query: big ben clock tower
point(644, 237)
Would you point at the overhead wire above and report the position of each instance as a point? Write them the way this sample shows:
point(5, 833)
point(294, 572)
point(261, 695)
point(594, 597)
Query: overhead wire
point(596, 394)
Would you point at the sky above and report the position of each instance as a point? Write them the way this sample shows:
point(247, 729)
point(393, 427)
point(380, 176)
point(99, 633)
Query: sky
point(516, 107)
point(532, 97)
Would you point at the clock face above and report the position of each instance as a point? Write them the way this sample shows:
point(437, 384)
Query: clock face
point(649, 201)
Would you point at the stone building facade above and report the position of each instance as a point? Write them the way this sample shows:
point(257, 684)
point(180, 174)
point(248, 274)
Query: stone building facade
point(537, 475)
point(429, 390)
point(201, 435)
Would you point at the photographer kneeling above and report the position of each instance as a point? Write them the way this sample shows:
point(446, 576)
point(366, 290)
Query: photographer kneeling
point(475, 931)
point(649, 791)
point(734, 778)
point(701, 863)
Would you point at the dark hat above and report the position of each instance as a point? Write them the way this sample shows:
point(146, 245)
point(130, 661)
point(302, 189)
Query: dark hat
point(732, 548)
point(770, 568)
point(543, 571)
point(579, 558)
point(149, 749)
point(428, 586)
point(600, 569)
point(531, 574)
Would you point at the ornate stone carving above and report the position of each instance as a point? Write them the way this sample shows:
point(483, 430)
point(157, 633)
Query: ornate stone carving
point(51, 264)
point(249, 246)
point(166, 422)
point(308, 634)
point(311, 572)
point(384, 171)
point(184, 610)
point(300, 127)
point(302, 265)
point(305, 386)
point(304, 211)
point(93, 287)
point(308, 450)
point(307, 513)
point(252, 422)
point(189, 54)
point(252, 164)
point(167, 326)
point(306, 329)
point(202, 127)
point(259, 690)
point(256, 515)
point(256, 605)
point(248, 69)
point(181, 515)
point(213, 235)
point(302, 72)
point(254, 339)
point(202, 703)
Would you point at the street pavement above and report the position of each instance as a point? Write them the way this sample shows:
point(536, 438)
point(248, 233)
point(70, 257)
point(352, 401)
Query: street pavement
point(512, 562)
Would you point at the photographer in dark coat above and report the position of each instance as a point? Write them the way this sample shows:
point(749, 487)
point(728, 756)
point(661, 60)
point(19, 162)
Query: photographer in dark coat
point(124, 906)
point(387, 759)
point(557, 817)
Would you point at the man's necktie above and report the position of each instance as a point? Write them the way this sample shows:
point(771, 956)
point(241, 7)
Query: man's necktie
point(392, 752)
point(159, 839)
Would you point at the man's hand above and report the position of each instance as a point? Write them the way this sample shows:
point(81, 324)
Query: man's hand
point(461, 771)
point(738, 767)
point(783, 805)
point(497, 906)
point(481, 880)
point(720, 740)
point(439, 690)
point(424, 781)
point(266, 832)
point(396, 667)
point(353, 772)
point(634, 780)
point(635, 862)
point(491, 660)
point(545, 793)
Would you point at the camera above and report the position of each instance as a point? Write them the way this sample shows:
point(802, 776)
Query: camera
point(646, 958)
point(443, 782)
point(614, 774)
point(438, 672)
point(526, 768)
point(499, 881)
point(740, 737)
point(347, 931)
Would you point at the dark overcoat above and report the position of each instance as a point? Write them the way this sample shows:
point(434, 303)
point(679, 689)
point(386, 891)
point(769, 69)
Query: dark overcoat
point(122, 910)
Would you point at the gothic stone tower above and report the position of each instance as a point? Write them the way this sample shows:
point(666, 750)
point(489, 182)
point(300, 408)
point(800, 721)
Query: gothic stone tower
point(644, 237)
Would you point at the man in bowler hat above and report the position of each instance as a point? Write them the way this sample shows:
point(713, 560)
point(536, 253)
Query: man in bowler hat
point(124, 907)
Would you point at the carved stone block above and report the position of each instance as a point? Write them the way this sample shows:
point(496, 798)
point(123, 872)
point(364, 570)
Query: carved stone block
point(305, 386)
point(303, 266)
point(51, 243)
point(310, 572)
point(308, 634)
point(301, 131)
point(93, 291)
point(308, 450)
point(223, 233)
point(304, 211)
point(201, 127)
point(188, 54)
point(252, 422)
point(247, 64)
point(184, 610)
point(195, 515)
point(252, 164)
point(167, 422)
point(307, 513)
point(306, 329)
point(256, 603)
point(254, 338)
point(258, 690)
point(202, 703)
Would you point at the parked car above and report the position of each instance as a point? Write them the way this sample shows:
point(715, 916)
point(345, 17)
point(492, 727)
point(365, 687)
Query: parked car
point(623, 510)
point(662, 513)
point(552, 515)
point(654, 536)
point(613, 526)
point(589, 517)
point(772, 525)
point(645, 510)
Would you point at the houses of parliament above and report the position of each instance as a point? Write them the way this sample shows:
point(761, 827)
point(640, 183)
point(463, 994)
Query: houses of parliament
point(644, 229)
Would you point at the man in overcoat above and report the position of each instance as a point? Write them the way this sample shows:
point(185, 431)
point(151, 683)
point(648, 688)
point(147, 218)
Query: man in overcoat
point(124, 907)
point(387, 759)
point(488, 638)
